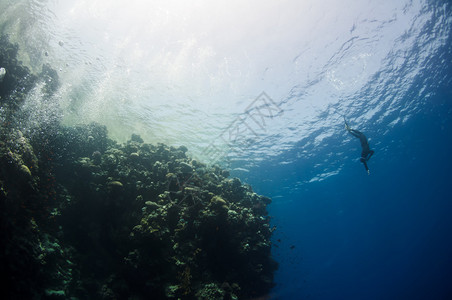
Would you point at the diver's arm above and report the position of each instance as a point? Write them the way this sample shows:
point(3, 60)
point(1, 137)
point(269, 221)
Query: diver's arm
point(346, 125)
point(353, 132)
point(345, 121)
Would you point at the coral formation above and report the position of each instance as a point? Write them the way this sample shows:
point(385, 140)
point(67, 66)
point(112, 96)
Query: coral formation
point(83, 217)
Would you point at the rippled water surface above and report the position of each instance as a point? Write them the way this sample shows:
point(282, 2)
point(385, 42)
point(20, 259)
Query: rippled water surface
point(181, 73)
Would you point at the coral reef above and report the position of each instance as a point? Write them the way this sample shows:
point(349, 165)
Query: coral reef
point(83, 217)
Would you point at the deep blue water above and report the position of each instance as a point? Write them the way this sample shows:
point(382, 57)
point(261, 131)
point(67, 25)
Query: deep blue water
point(382, 236)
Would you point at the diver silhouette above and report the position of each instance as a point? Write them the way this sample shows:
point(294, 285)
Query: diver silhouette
point(366, 153)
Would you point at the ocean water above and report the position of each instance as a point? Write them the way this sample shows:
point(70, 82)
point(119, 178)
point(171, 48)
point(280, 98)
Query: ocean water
point(261, 88)
point(383, 236)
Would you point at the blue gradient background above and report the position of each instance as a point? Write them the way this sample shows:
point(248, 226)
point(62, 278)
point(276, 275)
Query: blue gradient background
point(181, 72)
point(383, 236)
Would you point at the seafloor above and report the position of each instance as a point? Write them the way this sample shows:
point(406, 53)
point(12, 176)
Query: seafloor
point(83, 217)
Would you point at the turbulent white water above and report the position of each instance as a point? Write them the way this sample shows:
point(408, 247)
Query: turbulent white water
point(187, 72)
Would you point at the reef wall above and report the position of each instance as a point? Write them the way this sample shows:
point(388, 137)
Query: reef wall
point(83, 217)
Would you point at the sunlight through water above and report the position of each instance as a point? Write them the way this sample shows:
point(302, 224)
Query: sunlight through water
point(186, 73)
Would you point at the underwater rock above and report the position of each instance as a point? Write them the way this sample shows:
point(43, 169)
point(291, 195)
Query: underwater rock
point(2, 74)
point(210, 291)
point(219, 203)
point(96, 157)
point(185, 167)
point(109, 161)
point(37, 262)
point(136, 138)
point(21, 145)
point(50, 77)
point(17, 80)
point(53, 294)
point(183, 149)
point(115, 184)
point(134, 156)
point(151, 205)
point(154, 221)
point(25, 171)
